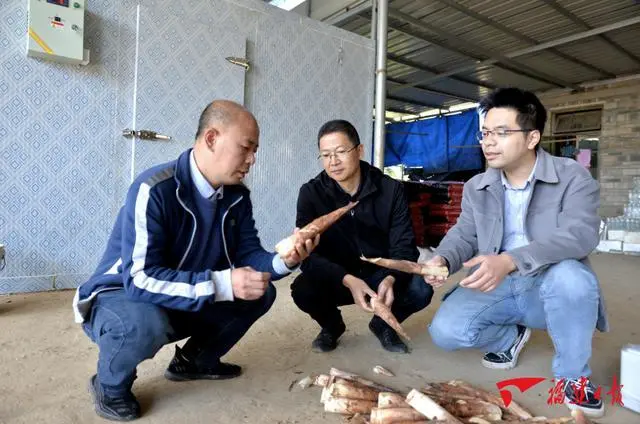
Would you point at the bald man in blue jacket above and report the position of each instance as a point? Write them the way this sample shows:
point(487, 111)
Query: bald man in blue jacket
point(183, 261)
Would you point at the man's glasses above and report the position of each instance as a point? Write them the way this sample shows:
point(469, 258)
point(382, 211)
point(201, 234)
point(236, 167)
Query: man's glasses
point(340, 154)
point(500, 133)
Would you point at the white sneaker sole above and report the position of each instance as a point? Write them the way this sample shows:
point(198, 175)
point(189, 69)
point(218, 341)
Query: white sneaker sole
point(514, 362)
point(589, 412)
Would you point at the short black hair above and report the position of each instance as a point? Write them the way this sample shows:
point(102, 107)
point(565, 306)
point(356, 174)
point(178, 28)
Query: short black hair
point(531, 112)
point(341, 126)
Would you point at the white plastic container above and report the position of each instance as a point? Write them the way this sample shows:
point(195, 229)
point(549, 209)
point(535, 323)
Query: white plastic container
point(630, 376)
point(632, 237)
point(616, 235)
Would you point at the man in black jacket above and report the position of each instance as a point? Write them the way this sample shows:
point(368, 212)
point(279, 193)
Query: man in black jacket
point(379, 226)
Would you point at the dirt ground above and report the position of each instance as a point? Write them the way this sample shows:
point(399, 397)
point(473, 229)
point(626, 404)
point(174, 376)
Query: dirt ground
point(46, 361)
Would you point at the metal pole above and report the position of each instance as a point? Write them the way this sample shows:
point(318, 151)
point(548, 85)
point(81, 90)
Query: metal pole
point(381, 80)
point(374, 25)
point(374, 8)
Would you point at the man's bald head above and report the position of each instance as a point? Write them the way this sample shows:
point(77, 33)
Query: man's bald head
point(226, 142)
point(223, 113)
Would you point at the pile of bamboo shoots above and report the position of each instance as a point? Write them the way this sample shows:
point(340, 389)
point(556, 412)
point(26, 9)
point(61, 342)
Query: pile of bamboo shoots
point(455, 402)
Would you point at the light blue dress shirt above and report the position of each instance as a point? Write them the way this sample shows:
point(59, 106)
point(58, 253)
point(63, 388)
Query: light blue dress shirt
point(515, 204)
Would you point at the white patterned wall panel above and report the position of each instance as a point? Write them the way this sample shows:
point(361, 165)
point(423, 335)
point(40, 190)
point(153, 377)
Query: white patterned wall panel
point(295, 88)
point(356, 86)
point(299, 95)
point(181, 68)
point(56, 126)
point(65, 166)
point(127, 20)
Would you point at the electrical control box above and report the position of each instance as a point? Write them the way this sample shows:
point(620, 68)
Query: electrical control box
point(56, 30)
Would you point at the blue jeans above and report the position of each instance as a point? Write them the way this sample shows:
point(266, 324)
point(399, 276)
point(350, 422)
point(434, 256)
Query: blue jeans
point(562, 300)
point(129, 332)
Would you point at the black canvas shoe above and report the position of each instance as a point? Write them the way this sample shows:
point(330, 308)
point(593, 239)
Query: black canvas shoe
point(125, 408)
point(182, 368)
point(507, 359)
point(388, 338)
point(582, 394)
point(327, 340)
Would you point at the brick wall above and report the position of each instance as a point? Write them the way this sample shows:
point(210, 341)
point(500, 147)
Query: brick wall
point(619, 146)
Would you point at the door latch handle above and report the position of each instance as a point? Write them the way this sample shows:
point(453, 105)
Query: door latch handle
point(144, 134)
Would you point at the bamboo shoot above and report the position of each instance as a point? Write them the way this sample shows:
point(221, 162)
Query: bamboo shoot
point(492, 398)
point(336, 373)
point(409, 267)
point(348, 406)
point(384, 312)
point(456, 389)
point(378, 369)
point(394, 415)
point(311, 230)
point(391, 400)
point(321, 380)
point(427, 407)
point(477, 420)
point(325, 390)
point(472, 408)
point(343, 389)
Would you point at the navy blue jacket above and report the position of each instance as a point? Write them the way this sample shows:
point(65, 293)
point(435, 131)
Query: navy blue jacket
point(148, 251)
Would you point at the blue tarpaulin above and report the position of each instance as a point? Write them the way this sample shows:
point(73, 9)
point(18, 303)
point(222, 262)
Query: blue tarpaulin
point(437, 145)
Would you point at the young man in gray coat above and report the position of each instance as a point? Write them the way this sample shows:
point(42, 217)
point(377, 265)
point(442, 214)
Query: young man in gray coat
point(527, 226)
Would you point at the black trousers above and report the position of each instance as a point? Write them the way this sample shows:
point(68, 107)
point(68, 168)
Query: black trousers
point(320, 297)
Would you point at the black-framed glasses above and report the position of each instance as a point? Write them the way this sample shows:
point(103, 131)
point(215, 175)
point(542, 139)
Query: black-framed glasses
point(501, 133)
point(340, 153)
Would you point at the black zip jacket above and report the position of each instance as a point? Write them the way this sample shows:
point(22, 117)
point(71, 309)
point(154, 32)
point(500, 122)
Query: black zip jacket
point(379, 226)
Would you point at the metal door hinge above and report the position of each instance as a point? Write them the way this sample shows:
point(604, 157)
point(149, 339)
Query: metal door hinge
point(144, 134)
point(240, 61)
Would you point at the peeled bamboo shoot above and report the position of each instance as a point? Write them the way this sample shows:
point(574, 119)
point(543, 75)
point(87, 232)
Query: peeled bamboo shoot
point(409, 267)
point(471, 408)
point(383, 311)
point(348, 406)
point(325, 390)
point(311, 230)
point(394, 415)
point(321, 380)
point(339, 374)
point(352, 390)
point(378, 369)
point(427, 407)
point(391, 400)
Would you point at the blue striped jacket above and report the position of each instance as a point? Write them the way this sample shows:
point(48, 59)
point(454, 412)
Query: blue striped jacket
point(153, 237)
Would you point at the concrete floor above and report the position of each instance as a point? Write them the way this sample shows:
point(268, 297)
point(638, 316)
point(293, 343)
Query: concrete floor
point(46, 360)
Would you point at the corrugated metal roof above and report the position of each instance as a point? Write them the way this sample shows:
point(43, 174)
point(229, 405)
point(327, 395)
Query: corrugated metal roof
point(427, 37)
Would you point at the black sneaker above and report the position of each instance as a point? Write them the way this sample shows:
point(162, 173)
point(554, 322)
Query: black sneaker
point(388, 338)
point(182, 368)
point(327, 340)
point(508, 359)
point(125, 408)
point(582, 394)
